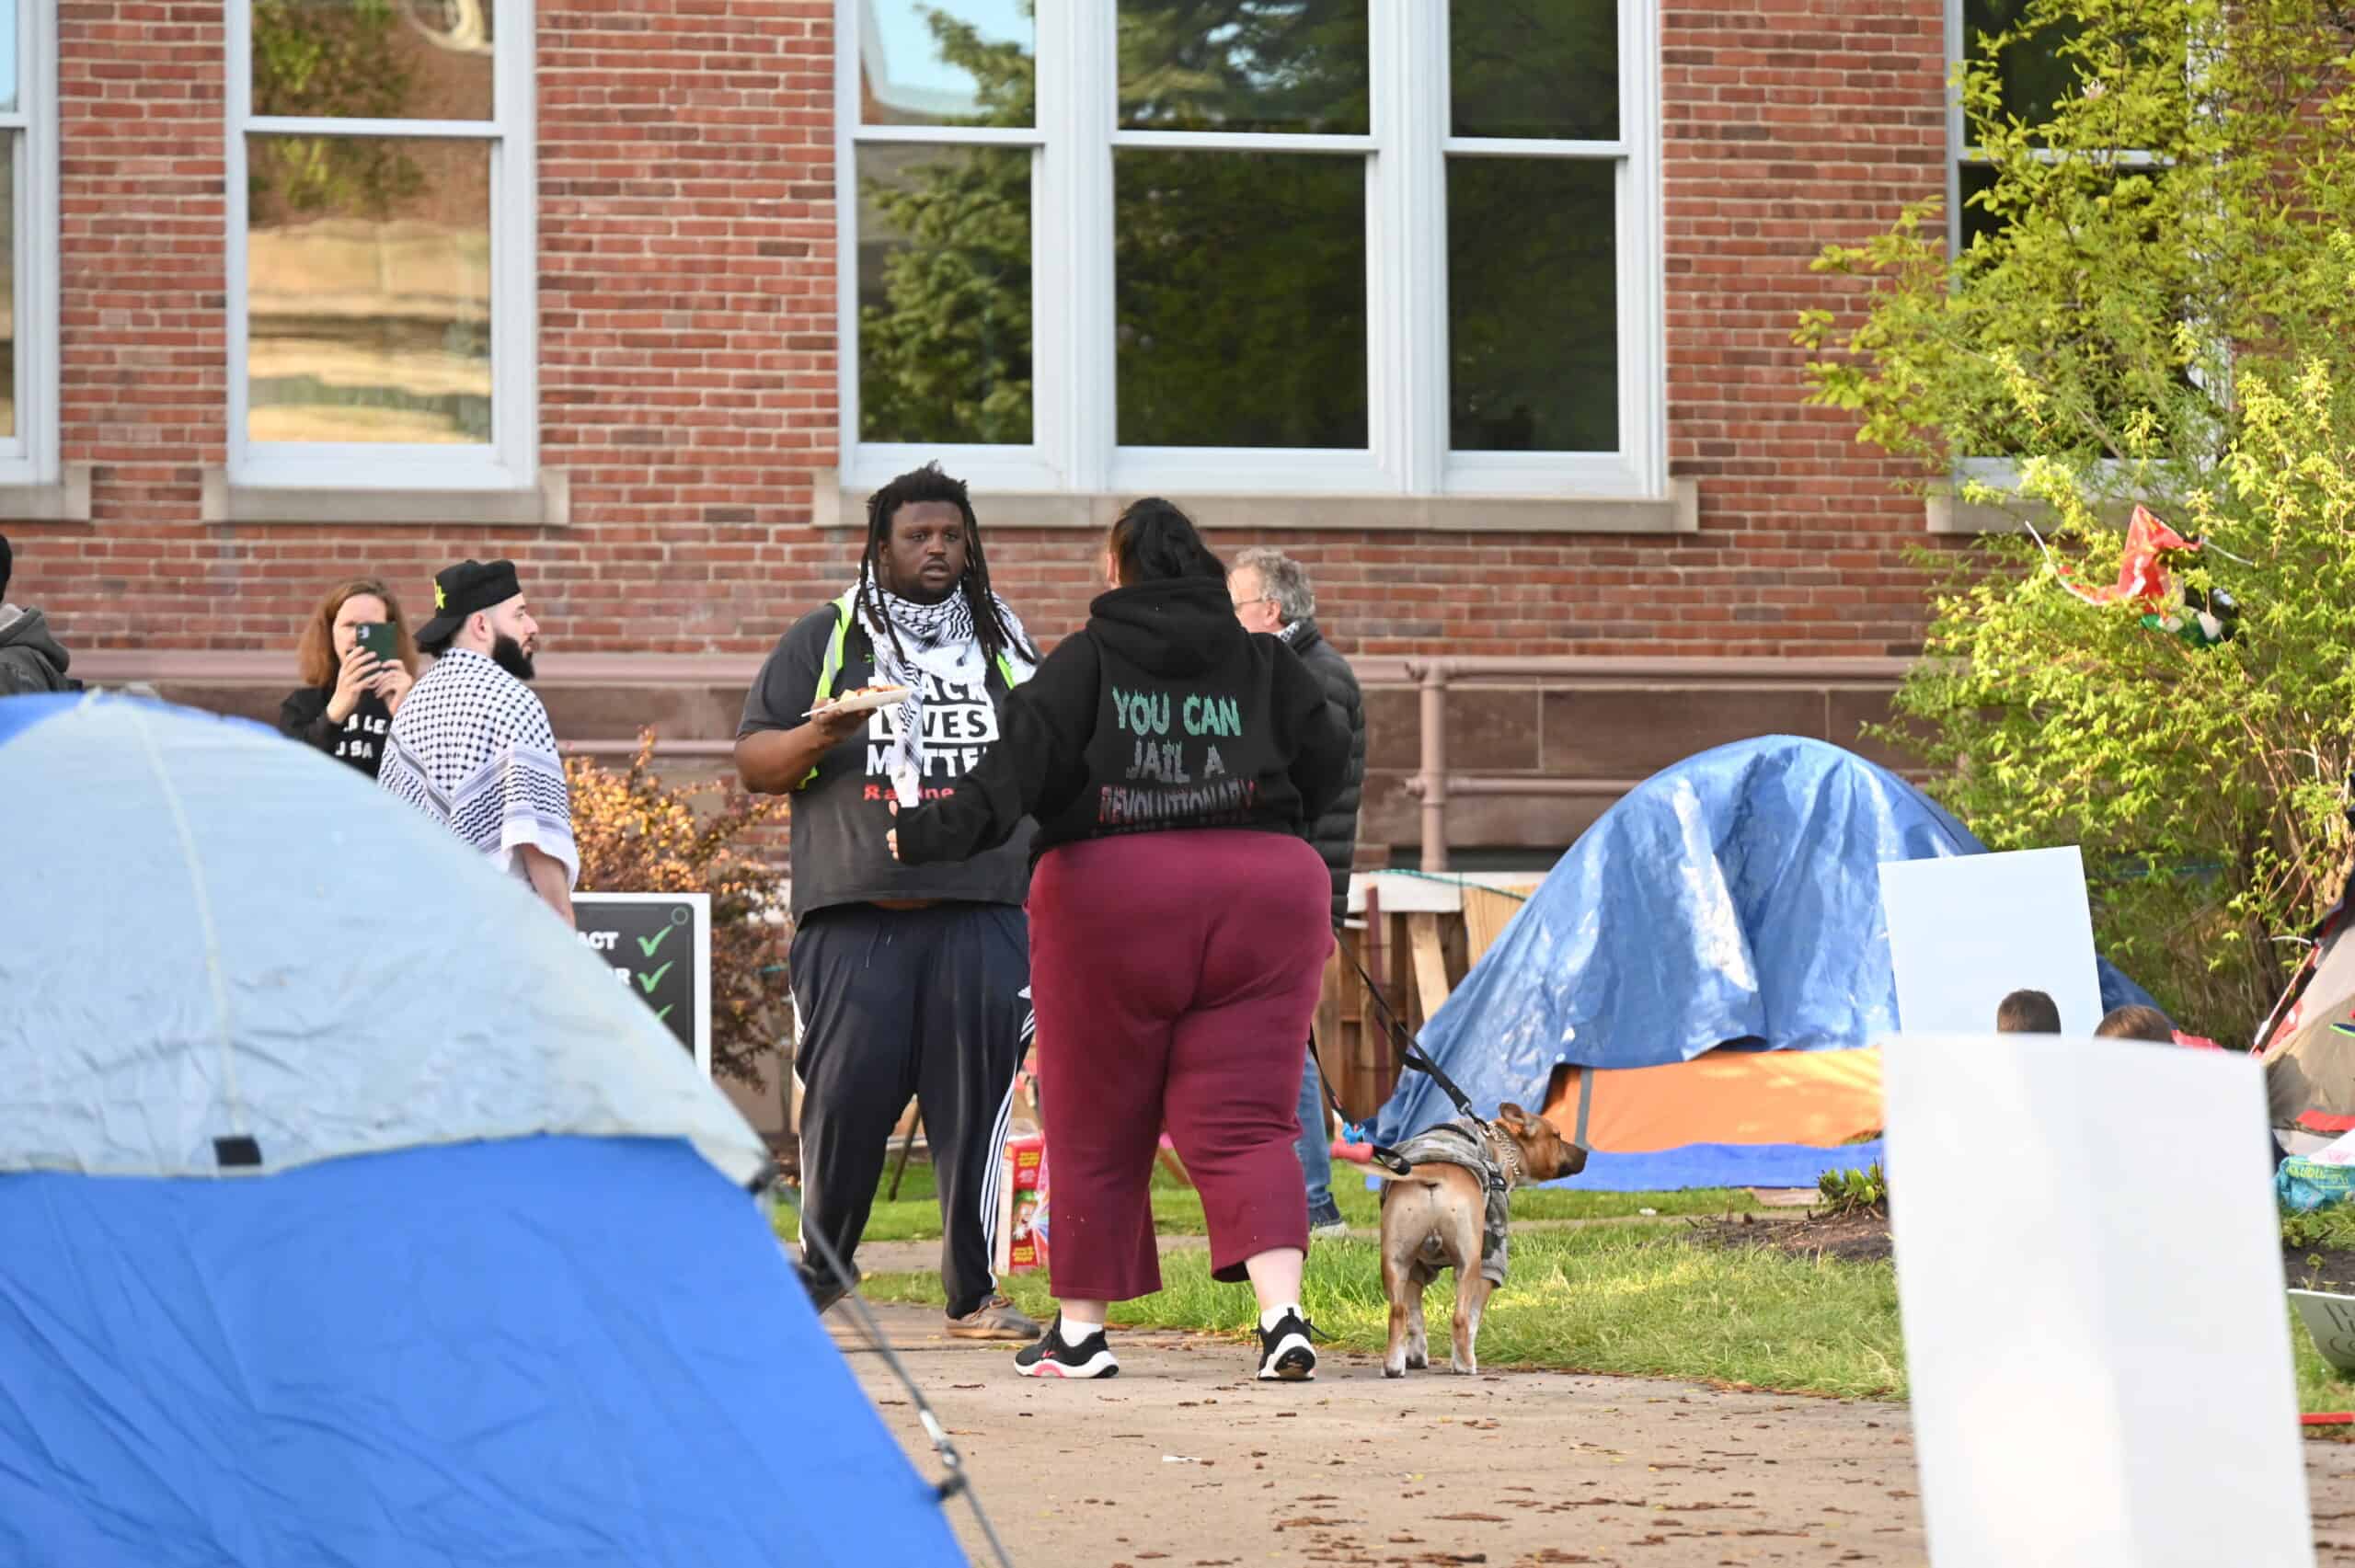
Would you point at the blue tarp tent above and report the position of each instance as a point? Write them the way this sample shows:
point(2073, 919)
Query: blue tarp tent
point(1733, 899)
point(350, 1213)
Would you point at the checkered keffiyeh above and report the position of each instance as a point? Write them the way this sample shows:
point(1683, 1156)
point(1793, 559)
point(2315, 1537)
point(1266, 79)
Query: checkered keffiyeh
point(471, 748)
point(921, 629)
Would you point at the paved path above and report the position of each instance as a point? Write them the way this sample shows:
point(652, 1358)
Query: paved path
point(1183, 1462)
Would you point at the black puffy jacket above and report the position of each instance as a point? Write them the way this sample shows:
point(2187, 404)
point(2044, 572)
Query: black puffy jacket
point(1335, 833)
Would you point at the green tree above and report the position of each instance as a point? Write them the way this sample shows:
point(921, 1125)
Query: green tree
point(2157, 305)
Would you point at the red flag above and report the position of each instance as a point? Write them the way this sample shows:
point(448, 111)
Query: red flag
point(2141, 579)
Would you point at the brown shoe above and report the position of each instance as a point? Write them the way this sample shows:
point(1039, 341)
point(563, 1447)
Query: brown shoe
point(996, 1317)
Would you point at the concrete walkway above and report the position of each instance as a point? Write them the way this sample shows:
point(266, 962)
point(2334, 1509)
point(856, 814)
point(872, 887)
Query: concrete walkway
point(1183, 1461)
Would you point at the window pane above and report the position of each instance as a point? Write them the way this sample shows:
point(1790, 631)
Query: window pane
point(1267, 66)
point(1241, 299)
point(1543, 68)
point(943, 294)
point(7, 288)
point(1976, 220)
point(373, 59)
point(949, 62)
point(8, 103)
point(367, 290)
point(2034, 76)
point(1532, 318)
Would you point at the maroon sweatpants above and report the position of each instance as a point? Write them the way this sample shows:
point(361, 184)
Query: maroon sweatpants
point(1174, 976)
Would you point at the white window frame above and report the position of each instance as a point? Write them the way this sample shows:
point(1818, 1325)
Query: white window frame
point(29, 454)
point(1074, 446)
point(1950, 514)
point(510, 460)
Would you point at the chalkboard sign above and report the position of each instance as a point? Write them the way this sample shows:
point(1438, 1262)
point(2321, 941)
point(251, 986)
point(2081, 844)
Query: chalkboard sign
point(660, 946)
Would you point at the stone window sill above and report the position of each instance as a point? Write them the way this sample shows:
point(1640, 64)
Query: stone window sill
point(546, 505)
point(1951, 516)
point(1678, 513)
point(64, 500)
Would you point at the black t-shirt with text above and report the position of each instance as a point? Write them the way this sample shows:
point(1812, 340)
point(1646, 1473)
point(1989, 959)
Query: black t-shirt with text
point(358, 740)
point(840, 816)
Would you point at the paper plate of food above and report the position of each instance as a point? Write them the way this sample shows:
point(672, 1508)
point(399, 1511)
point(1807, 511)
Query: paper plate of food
point(861, 700)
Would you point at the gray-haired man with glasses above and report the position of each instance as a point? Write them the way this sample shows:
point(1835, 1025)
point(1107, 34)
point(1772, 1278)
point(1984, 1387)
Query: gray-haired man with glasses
point(1271, 594)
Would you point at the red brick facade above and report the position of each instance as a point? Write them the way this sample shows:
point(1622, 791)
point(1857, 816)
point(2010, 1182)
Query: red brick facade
point(687, 371)
point(1788, 125)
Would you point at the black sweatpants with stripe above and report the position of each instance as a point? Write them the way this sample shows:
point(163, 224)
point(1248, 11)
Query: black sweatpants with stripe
point(933, 1003)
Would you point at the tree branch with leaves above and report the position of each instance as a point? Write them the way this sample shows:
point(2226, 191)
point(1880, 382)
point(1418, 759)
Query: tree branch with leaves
point(2157, 306)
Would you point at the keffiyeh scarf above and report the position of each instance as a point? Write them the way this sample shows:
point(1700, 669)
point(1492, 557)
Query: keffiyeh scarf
point(924, 629)
point(472, 748)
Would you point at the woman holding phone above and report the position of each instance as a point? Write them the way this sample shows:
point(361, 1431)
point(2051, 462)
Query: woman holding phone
point(358, 662)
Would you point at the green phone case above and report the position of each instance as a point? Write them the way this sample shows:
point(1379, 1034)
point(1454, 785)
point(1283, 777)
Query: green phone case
point(378, 637)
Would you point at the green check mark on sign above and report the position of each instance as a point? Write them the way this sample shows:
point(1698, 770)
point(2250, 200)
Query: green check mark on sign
point(650, 981)
point(646, 945)
point(665, 1011)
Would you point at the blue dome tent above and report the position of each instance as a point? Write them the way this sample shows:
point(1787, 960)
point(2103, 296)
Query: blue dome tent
point(350, 1214)
point(1726, 909)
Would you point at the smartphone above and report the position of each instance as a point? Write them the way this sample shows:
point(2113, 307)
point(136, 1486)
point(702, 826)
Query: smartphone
point(379, 638)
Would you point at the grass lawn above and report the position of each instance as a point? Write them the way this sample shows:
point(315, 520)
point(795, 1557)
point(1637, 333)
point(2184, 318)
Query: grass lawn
point(1638, 1300)
point(915, 1216)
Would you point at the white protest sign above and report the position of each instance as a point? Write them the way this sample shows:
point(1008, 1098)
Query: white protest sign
point(1967, 930)
point(2330, 1318)
point(2089, 1274)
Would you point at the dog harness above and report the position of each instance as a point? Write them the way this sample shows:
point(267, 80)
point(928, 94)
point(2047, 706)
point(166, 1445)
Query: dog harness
point(1464, 1142)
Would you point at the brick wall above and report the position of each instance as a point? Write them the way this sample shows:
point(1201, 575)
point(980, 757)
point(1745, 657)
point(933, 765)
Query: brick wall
point(143, 377)
point(688, 365)
point(1788, 124)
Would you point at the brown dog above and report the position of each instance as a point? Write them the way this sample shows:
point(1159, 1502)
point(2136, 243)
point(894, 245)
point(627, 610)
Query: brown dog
point(1433, 1218)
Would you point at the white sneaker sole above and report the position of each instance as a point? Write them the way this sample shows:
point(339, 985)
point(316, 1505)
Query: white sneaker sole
point(1292, 1361)
point(1100, 1365)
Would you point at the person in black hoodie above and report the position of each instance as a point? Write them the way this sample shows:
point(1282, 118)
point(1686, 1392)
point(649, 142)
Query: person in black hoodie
point(346, 703)
point(30, 658)
point(1179, 926)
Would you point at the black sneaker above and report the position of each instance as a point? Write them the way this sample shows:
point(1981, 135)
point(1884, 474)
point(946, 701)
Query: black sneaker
point(824, 1286)
point(1051, 1357)
point(1285, 1354)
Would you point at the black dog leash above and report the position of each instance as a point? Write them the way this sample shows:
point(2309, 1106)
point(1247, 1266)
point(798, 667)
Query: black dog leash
point(1409, 1053)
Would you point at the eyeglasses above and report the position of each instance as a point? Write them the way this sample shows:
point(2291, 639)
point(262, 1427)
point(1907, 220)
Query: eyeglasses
point(1263, 599)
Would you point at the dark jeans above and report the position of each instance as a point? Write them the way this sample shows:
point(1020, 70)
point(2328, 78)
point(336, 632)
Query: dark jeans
point(1315, 1143)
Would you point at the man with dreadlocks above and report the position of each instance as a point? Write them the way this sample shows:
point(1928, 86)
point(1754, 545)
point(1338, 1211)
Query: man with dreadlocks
point(907, 979)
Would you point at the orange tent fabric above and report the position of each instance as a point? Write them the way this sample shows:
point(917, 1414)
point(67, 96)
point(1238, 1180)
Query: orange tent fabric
point(1819, 1098)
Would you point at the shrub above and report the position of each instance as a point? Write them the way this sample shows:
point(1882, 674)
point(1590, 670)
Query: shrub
point(638, 834)
point(2162, 313)
point(1854, 1191)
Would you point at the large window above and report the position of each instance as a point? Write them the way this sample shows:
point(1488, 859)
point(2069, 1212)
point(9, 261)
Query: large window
point(1398, 247)
point(381, 269)
point(27, 253)
point(2035, 79)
